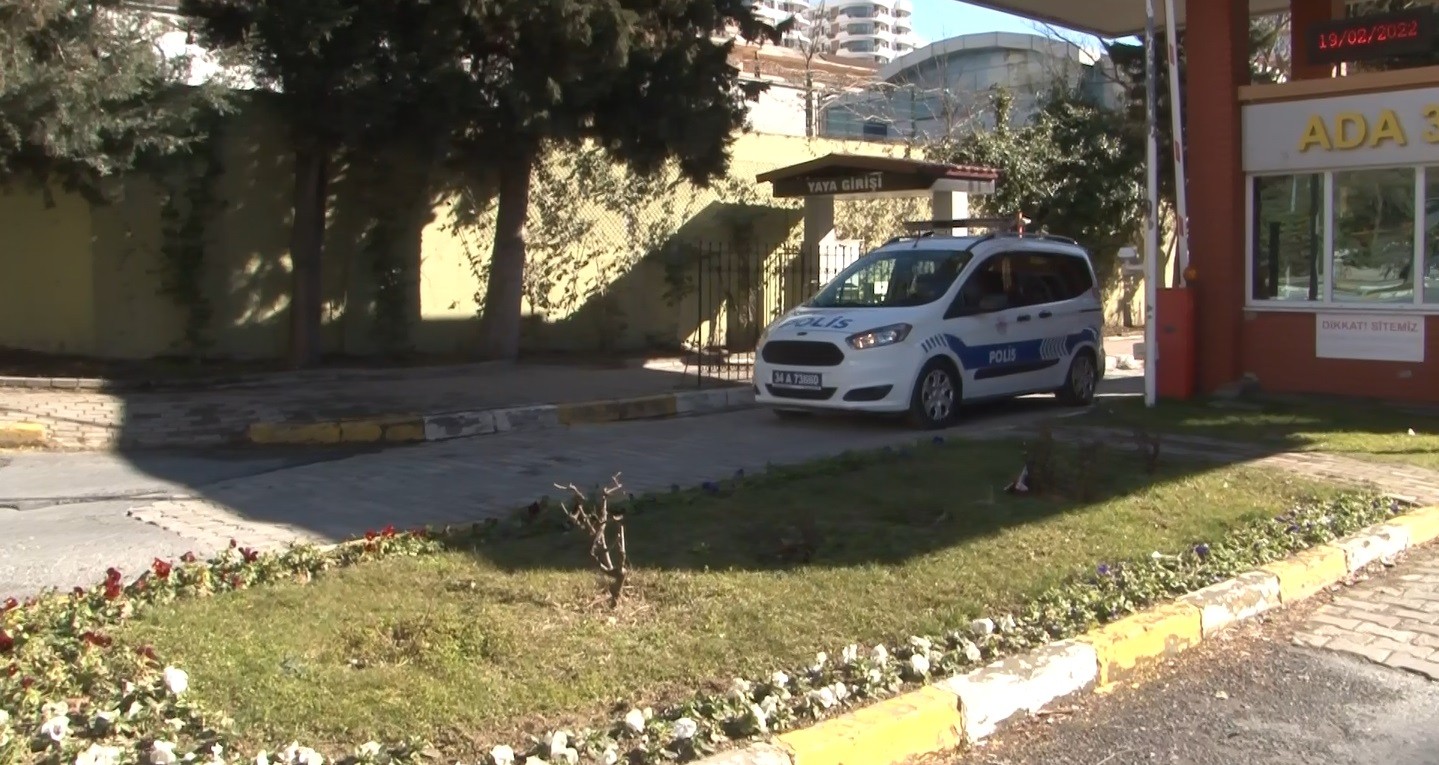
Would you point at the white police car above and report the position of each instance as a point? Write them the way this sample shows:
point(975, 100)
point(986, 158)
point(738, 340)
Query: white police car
point(927, 323)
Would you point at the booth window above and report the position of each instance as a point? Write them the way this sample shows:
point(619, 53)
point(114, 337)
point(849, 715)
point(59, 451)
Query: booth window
point(1288, 233)
point(1374, 236)
point(1431, 236)
point(1346, 237)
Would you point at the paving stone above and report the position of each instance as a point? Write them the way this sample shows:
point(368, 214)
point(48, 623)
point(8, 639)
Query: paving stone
point(1384, 622)
point(1429, 669)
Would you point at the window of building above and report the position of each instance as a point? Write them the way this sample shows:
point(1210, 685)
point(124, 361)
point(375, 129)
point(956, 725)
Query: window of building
point(1351, 238)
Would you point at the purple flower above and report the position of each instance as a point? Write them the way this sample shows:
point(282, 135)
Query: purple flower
point(1104, 569)
point(1202, 550)
point(938, 440)
point(1293, 528)
point(739, 473)
point(710, 487)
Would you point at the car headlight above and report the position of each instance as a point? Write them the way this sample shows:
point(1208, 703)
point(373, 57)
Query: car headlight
point(879, 337)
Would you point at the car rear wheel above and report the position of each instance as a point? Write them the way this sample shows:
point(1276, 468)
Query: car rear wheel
point(1081, 382)
point(936, 398)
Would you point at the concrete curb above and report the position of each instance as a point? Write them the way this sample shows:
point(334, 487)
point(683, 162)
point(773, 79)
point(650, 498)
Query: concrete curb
point(416, 428)
point(972, 707)
point(18, 434)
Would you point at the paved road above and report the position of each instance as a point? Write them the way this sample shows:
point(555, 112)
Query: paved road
point(72, 519)
point(1254, 698)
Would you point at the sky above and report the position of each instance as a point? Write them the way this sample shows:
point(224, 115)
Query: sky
point(937, 19)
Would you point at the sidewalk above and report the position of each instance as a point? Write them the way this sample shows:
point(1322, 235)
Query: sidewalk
point(368, 406)
point(364, 406)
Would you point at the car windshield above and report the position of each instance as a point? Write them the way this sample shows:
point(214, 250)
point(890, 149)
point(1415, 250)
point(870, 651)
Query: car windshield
point(891, 278)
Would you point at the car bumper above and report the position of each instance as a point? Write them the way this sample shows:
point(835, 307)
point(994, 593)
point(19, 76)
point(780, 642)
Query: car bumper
point(874, 380)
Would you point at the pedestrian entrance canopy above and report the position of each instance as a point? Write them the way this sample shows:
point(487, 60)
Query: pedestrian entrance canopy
point(851, 176)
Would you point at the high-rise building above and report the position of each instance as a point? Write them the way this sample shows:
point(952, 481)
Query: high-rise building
point(864, 30)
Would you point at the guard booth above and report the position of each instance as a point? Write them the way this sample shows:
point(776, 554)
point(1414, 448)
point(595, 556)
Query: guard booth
point(1313, 204)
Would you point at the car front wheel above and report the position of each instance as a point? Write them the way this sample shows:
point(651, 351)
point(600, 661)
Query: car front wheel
point(936, 398)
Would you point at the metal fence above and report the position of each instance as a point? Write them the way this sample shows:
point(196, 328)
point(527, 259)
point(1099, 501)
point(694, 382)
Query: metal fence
point(735, 291)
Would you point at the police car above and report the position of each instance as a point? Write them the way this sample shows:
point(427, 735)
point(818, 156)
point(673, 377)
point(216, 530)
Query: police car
point(929, 322)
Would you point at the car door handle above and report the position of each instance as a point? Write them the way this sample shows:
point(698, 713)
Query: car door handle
point(1022, 317)
point(1045, 314)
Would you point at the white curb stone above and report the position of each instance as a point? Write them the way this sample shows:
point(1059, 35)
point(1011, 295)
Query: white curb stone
point(1022, 684)
point(1364, 548)
point(754, 754)
point(441, 427)
point(1233, 600)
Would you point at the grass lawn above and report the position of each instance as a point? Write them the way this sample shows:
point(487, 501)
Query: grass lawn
point(472, 647)
point(1365, 430)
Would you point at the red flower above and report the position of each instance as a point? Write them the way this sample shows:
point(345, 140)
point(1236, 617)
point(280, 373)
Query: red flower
point(10, 603)
point(188, 557)
point(234, 544)
point(236, 583)
point(96, 639)
point(79, 592)
point(249, 555)
point(147, 651)
point(371, 534)
point(113, 590)
point(7, 643)
point(161, 568)
point(26, 682)
point(388, 531)
point(113, 575)
point(12, 670)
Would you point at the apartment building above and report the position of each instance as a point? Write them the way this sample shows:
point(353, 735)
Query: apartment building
point(871, 31)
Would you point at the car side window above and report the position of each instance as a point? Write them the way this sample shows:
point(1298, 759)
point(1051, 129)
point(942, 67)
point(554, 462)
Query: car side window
point(986, 290)
point(1043, 277)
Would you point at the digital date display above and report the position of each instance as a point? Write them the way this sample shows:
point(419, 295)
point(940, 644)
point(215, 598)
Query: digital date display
point(1405, 33)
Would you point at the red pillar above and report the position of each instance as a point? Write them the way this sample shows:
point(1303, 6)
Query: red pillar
point(1302, 13)
point(1217, 41)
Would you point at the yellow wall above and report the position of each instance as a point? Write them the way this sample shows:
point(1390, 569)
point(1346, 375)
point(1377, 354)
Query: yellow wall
point(47, 292)
point(88, 280)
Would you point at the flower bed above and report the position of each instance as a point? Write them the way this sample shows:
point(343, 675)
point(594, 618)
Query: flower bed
point(74, 693)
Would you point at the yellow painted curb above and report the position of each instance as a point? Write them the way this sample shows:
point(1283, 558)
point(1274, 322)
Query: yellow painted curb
point(268, 433)
point(1137, 640)
point(1306, 573)
point(1422, 525)
point(23, 434)
point(927, 721)
point(589, 412)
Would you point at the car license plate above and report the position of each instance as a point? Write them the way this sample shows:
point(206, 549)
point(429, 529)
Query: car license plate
point(796, 379)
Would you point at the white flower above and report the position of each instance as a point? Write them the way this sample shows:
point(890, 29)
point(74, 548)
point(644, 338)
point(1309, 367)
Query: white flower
point(741, 689)
point(841, 691)
point(982, 627)
point(568, 756)
point(263, 758)
point(824, 697)
point(559, 741)
point(104, 720)
point(4, 718)
point(971, 651)
point(919, 663)
point(535, 761)
point(1007, 623)
point(880, 655)
point(369, 749)
point(770, 704)
point(761, 718)
point(502, 755)
point(874, 676)
point(611, 756)
point(685, 728)
point(779, 680)
point(56, 728)
point(176, 680)
point(920, 644)
point(217, 755)
point(819, 661)
point(849, 655)
point(635, 721)
point(99, 755)
point(295, 754)
point(163, 753)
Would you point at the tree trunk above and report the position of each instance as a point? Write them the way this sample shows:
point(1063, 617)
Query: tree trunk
point(504, 294)
point(307, 248)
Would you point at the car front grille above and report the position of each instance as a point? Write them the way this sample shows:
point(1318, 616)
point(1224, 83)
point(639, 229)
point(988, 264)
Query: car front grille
point(822, 394)
point(802, 353)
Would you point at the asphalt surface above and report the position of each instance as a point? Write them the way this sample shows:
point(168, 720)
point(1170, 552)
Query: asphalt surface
point(1251, 697)
point(63, 515)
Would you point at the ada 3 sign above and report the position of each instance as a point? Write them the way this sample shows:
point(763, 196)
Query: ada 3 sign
point(1369, 337)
